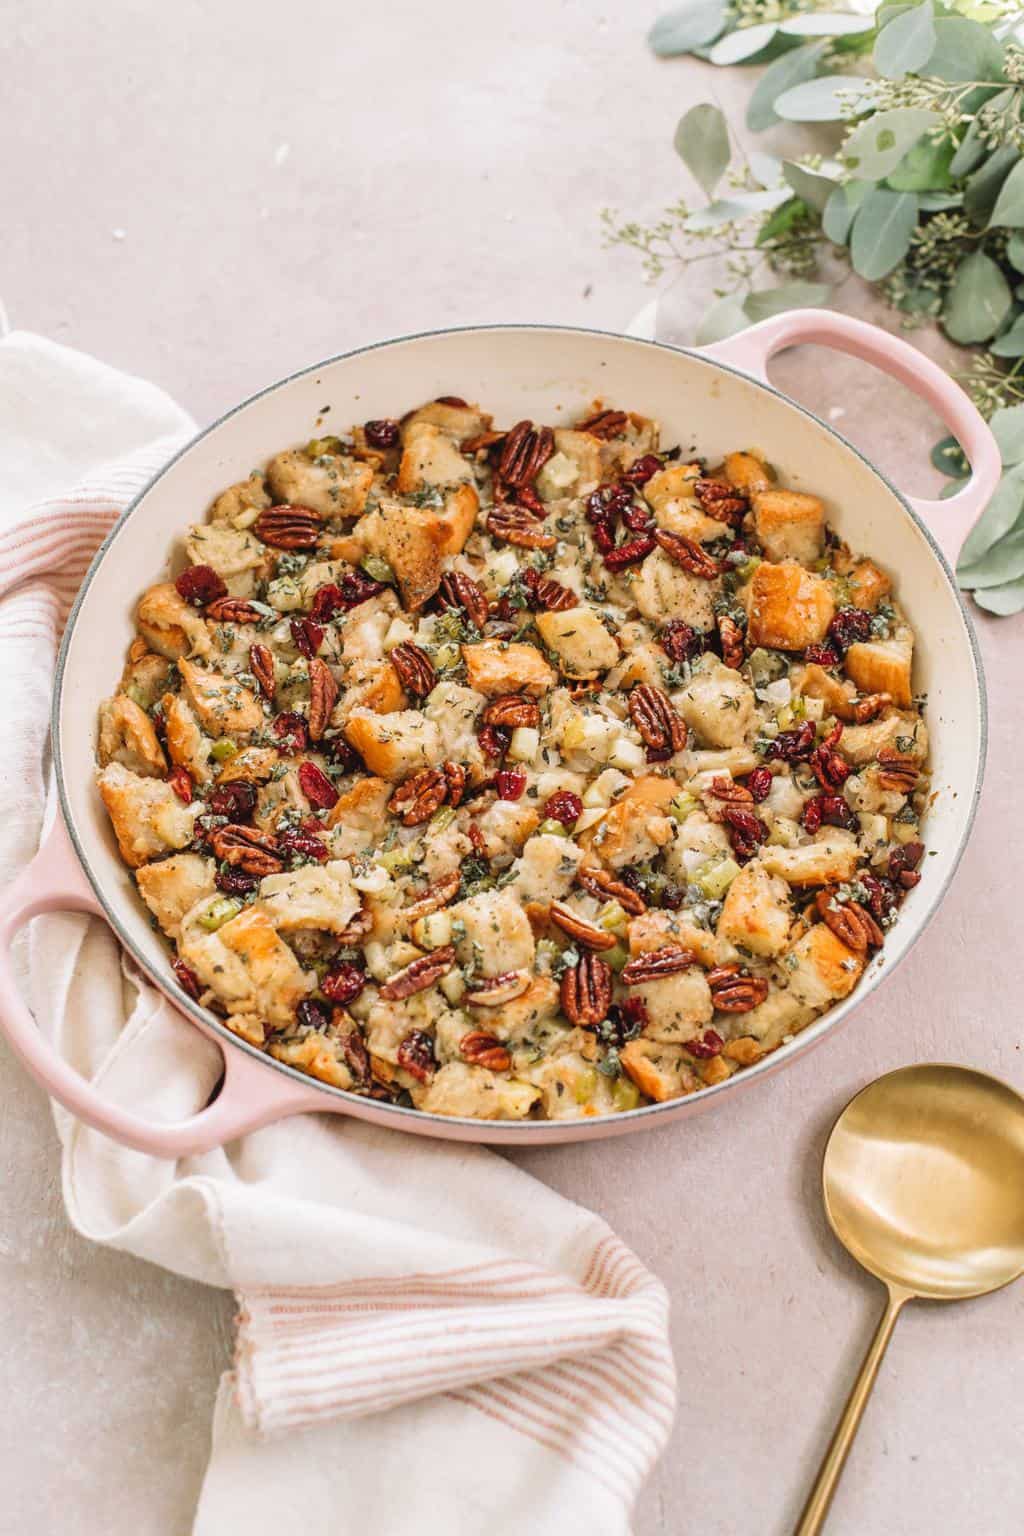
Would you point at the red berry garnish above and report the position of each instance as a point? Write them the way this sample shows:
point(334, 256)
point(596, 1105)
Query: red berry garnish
point(903, 862)
point(746, 830)
point(303, 844)
point(630, 553)
point(236, 801)
point(643, 469)
point(343, 982)
point(327, 601)
point(794, 746)
point(180, 781)
point(235, 882)
point(822, 655)
point(493, 740)
point(511, 783)
point(199, 585)
point(681, 642)
point(313, 1015)
point(828, 810)
point(317, 787)
point(851, 626)
point(292, 730)
point(357, 587)
point(565, 807)
point(381, 434)
point(188, 981)
point(307, 636)
point(760, 783)
point(708, 1044)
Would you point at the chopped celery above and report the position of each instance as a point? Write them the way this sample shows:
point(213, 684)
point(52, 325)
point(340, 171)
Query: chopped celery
point(223, 750)
point(553, 828)
point(683, 805)
point(586, 1085)
point(377, 567)
point(320, 445)
point(396, 860)
point(715, 880)
point(441, 819)
point(615, 957)
point(625, 1094)
point(219, 912)
point(612, 917)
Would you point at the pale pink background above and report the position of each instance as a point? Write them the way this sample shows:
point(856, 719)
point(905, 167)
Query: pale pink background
point(212, 196)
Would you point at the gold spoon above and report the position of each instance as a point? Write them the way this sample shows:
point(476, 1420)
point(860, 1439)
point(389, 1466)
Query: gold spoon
point(924, 1185)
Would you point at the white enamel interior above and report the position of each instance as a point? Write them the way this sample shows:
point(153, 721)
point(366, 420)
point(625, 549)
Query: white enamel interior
point(548, 374)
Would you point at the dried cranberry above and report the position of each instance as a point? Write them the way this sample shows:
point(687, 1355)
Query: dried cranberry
point(339, 754)
point(604, 538)
point(307, 636)
point(236, 801)
point(159, 723)
point(180, 781)
point(703, 1046)
point(672, 896)
point(822, 655)
point(760, 783)
point(343, 982)
point(565, 807)
point(638, 519)
point(200, 585)
point(357, 587)
point(641, 470)
point(306, 845)
point(188, 981)
point(493, 740)
point(510, 783)
point(794, 746)
point(503, 611)
point(681, 641)
point(327, 601)
point(850, 626)
point(317, 787)
point(625, 1021)
point(903, 862)
point(292, 730)
point(313, 1015)
point(607, 503)
point(382, 433)
point(630, 553)
point(747, 831)
point(881, 895)
point(416, 1055)
point(828, 810)
point(235, 882)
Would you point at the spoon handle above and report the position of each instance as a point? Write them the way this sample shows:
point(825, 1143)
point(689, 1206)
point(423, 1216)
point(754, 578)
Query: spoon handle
point(816, 1508)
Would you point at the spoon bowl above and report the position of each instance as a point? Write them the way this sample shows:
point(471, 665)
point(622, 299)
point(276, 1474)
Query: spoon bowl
point(923, 1181)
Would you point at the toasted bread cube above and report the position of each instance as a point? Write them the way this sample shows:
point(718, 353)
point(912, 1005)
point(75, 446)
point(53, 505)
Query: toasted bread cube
point(495, 667)
point(223, 705)
point(332, 485)
point(359, 817)
point(868, 585)
point(666, 930)
point(476, 1093)
point(839, 695)
point(169, 624)
point(698, 834)
point(883, 666)
point(397, 745)
point(416, 540)
point(790, 525)
point(240, 505)
point(820, 968)
point(583, 645)
point(319, 896)
point(147, 816)
point(757, 912)
point(862, 743)
point(747, 472)
point(687, 518)
point(547, 868)
point(430, 457)
point(585, 453)
point(256, 764)
point(833, 856)
point(319, 1055)
point(635, 827)
point(660, 1071)
point(370, 685)
point(145, 676)
point(235, 555)
point(171, 887)
point(187, 745)
point(127, 737)
point(781, 1014)
point(641, 662)
point(717, 705)
point(495, 933)
point(789, 608)
point(245, 964)
point(662, 590)
point(675, 482)
point(506, 825)
point(459, 421)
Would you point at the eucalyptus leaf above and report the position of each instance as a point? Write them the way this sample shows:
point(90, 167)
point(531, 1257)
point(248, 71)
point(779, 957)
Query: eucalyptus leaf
point(724, 318)
point(740, 205)
point(742, 44)
point(1008, 212)
point(702, 143)
point(977, 301)
point(773, 301)
point(841, 209)
point(1003, 562)
point(791, 69)
point(936, 202)
point(781, 221)
point(1002, 600)
point(1001, 514)
point(964, 50)
point(812, 187)
point(906, 43)
point(983, 185)
point(924, 168)
point(826, 24)
point(971, 151)
point(877, 145)
point(826, 100)
point(1011, 342)
point(948, 457)
point(1015, 252)
point(765, 169)
point(688, 27)
point(1007, 426)
point(881, 232)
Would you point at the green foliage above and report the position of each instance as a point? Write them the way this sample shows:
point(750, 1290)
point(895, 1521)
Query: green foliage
point(925, 196)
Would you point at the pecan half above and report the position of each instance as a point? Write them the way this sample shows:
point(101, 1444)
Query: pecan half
point(731, 637)
point(457, 590)
point(578, 929)
point(604, 424)
point(495, 991)
point(419, 974)
point(662, 729)
point(323, 695)
point(288, 527)
point(515, 525)
point(550, 594)
point(721, 500)
point(734, 990)
point(455, 782)
point(903, 862)
point(897, 770)
point(357, 930)
point(746, 830)
point(434, 897)
point(247, 849)
point(481, 441)
point(829, 766)
point(261, 665)
point(419, 797)
point(728, 792)
point(657, 963)
point(512, 710)
point(232, 610)
point(869, 707)
point(482, 1050)
point(526, 451)
point(415, 669)
point(849, 921)
point(586, 991)
point(603, 884)
point(416, 1054)
point(687, 553)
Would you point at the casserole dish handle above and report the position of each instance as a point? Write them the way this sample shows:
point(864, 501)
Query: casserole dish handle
point(250, 1096)
point(949, 521)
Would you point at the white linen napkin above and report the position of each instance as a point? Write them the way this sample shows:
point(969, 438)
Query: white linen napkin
point(429, 1340)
